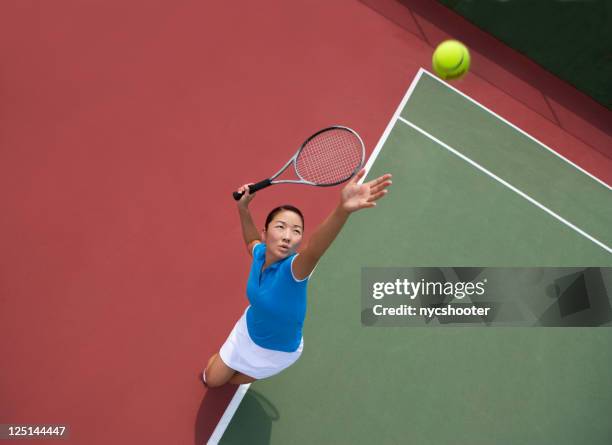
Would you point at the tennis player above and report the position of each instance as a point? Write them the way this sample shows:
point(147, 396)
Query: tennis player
point(268, 336)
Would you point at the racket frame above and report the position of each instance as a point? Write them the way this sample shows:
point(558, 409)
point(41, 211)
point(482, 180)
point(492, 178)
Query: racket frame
point(270, 181)
point(297, 154)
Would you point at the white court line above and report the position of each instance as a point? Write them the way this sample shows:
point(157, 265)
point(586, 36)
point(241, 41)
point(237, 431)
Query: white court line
point(507, 184)
point(523, 132)
point(242, 389)
point(215, 437)
point(391, 123)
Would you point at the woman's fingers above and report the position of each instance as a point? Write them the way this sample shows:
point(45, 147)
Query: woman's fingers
point(378, 181)
point(358, 176)
point(381, 186)
point(377, 196)
point(245, 188)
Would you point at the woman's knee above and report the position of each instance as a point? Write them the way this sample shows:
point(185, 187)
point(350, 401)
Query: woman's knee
point(215, 382)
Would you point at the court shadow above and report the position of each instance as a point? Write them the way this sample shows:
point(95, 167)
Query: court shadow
point(255, 411)
point(578, 299)
point(257, 414)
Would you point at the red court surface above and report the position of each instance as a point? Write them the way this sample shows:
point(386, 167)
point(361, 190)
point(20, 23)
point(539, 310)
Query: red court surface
point(124, 128)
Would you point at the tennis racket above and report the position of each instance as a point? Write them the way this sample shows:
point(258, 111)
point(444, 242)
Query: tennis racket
point(329, 157)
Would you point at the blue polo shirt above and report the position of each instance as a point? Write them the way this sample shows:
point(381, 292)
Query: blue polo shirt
point(277, 300)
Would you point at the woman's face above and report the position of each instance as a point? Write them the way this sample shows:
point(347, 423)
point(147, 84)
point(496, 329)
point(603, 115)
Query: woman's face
point(284, 234)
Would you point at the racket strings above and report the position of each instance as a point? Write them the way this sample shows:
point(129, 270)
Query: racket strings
point(330, 157)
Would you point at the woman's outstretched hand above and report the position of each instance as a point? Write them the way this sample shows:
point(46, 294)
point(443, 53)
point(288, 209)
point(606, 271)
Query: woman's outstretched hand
point(360, 196)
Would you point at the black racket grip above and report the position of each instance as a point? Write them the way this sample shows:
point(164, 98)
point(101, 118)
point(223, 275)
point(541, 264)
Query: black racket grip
point(253, 188)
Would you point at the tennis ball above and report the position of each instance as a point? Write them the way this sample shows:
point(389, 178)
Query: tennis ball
point(451, 60)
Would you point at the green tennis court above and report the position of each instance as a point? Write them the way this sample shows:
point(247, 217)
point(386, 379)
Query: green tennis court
point(469, 189)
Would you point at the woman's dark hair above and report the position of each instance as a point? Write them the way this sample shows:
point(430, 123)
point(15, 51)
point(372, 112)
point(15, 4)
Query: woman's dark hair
point(279, 209)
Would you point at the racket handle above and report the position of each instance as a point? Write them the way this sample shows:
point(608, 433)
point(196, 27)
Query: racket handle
point(253, 188)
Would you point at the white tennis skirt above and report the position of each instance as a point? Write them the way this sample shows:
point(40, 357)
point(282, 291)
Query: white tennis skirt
point(240, 353)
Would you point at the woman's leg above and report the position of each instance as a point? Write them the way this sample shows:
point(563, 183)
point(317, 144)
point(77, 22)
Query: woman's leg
point(218, 374)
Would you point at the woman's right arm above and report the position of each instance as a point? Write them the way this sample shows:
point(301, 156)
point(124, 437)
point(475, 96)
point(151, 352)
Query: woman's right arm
point(249, 231)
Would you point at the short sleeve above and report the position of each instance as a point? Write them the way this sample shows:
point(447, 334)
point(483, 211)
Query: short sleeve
point(290, 267)
point(257, 248)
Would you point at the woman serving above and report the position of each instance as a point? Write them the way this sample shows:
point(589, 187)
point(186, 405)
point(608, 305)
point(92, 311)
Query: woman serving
point(268, 337)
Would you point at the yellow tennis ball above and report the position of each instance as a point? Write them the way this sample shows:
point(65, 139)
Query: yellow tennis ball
point(451, 60)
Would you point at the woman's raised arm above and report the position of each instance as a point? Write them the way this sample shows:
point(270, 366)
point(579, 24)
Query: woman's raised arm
point(249, 230)
point(354, 197)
